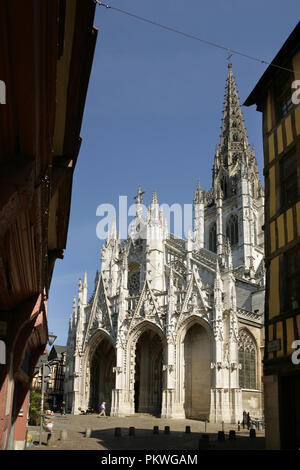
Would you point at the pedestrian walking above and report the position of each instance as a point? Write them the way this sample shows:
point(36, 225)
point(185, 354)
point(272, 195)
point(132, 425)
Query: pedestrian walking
point(63, 408)
point(245, 419)
point(248, 420)
point(103, 409)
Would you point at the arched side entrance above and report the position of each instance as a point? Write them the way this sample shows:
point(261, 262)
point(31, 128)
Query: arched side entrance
point(102, 378)
point(197, 373)
point(148, 373)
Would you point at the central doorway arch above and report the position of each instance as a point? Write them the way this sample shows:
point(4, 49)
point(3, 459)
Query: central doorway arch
point(197, 373)
point(148, 374)
point(102, 378)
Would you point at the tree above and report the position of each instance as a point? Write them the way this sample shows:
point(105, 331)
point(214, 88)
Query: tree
point(35, 406)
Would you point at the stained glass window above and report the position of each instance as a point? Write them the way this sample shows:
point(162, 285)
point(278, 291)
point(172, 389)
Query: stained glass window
point(134, 283)
point(247, 359)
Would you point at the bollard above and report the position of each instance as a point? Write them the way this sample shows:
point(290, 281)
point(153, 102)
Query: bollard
point(88, 432)
point(252, 433)
point(239, 426)
point(221, 436)
point(223, 427)
point(132, 431)
point(167, 429)
point(188, 429)
point(155, 430)
point(63, 435)
point(232, 435)
point(118, 432)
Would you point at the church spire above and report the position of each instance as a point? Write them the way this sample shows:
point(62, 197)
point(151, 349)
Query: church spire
point(233, 140)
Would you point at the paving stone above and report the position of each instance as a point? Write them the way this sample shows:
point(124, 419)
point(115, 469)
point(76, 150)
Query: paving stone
point(103, 429)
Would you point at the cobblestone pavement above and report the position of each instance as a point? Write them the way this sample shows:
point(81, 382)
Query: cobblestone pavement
point(103, 434)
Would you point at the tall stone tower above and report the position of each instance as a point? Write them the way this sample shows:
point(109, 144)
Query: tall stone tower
point(174, 326)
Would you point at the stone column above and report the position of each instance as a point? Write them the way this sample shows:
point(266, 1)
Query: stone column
point(117, 398)
point(77, 400)
point(219, 226)
point(168, 392)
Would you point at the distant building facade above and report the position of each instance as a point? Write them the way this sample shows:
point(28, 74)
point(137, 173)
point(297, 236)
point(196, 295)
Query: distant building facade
point(281, 136)
point(55, 387)
point(174, 327)
point(56, 361)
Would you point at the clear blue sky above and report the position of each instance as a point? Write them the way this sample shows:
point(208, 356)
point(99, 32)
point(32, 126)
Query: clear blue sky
point(153, 113)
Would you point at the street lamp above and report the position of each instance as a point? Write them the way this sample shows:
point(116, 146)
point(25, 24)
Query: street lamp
point(45, 366)
point(51, 338)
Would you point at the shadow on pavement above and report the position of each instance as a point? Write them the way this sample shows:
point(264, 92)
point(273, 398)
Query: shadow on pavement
point(144, 439)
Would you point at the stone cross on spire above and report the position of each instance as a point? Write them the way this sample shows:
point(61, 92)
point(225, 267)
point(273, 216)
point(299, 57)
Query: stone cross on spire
point(139, 200)
point(229, 57)
point(138, 197)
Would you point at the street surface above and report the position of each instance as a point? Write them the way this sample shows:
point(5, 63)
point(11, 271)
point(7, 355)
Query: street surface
point(103, 434)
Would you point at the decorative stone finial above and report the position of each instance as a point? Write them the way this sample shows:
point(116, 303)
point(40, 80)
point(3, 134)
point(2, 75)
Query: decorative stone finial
point(154, 197)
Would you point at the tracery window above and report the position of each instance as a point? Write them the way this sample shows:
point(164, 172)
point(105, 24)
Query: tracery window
point(247, 359)
point(134, 280)
point(213, 238)
point(233, 179)
point(232, 230)
point(224, 186)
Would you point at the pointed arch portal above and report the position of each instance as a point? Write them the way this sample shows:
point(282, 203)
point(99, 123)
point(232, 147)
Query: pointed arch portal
point(197, 372)
point(101, 375)
point(148, 373)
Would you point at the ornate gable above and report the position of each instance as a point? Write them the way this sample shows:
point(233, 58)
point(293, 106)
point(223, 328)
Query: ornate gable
point(147, 307)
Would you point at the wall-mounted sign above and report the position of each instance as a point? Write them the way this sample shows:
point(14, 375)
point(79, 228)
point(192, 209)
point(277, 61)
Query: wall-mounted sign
point(274, 345)
point(2, 92)
point(2, 352)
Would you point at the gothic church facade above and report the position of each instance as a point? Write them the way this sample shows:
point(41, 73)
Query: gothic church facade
point(174, 327)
